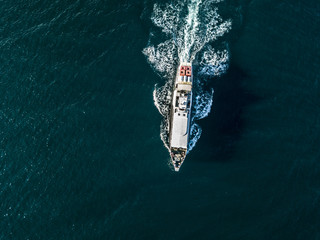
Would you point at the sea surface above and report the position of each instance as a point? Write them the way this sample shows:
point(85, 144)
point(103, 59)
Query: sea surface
point(84, 93)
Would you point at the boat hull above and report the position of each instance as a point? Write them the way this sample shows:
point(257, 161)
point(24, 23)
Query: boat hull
point(180, 115)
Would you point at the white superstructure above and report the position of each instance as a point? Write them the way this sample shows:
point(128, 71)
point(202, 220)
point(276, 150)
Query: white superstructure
point(181, 114)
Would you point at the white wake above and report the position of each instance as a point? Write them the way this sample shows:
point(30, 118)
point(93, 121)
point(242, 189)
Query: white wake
point(191, 28)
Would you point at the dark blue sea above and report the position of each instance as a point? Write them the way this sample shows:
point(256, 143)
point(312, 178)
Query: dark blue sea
point(84, 95)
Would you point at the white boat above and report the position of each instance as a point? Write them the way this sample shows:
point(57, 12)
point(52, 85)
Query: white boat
point(180, 115)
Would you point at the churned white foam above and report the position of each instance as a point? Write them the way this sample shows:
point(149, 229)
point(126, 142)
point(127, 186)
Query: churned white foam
point(195, 133)
point(202, 28)
point(156, 101)
point(202, 104)
point(162, 58)
point(167, 17)
point(164, 132)
point(189, 25)
point(162, 98)
point(190, 30)
point(214, 63)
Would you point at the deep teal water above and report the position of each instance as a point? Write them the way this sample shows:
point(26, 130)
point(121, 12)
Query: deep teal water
point(80, 152)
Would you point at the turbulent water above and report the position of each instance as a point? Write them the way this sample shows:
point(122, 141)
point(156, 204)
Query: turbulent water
point(191, 28)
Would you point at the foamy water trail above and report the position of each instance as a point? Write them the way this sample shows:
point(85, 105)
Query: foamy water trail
point(195, 133)
point(191, 27)
point(190, 30)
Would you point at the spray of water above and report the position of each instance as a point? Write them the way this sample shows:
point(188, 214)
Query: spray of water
point(190, 26)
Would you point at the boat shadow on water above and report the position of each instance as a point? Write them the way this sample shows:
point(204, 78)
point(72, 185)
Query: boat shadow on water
point(224, 126)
